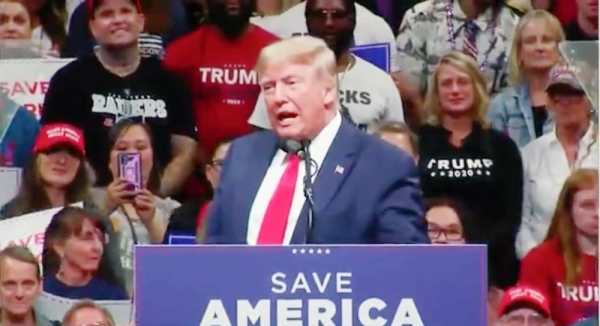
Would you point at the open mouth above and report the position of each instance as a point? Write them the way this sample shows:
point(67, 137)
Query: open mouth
point(286, 117)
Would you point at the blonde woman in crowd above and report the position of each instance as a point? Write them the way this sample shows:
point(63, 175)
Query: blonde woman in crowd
point(549, 160)
point(564, 266)
point(520, 110)
point(57, 174)
point(138, 216)
point(461, 157)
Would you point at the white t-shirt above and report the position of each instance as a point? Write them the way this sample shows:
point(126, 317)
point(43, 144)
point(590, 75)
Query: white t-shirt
point(370, 28)
point(367, 91)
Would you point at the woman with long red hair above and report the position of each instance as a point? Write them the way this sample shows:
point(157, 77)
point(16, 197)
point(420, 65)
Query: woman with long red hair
point(564, 266)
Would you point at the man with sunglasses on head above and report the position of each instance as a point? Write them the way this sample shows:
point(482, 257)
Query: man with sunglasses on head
point(115, 83)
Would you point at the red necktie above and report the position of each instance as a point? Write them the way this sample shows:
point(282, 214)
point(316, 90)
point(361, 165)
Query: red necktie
point(275, 221)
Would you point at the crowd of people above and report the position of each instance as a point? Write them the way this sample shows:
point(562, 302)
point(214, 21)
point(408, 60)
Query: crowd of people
point(473, 129)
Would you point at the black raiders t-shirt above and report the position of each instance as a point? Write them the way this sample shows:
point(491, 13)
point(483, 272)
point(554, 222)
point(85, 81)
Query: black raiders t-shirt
point(87, 95)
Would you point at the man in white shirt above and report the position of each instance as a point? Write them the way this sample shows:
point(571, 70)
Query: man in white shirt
point(549, 160)
point(370, 28)
point(365, 190)
point(368, 95)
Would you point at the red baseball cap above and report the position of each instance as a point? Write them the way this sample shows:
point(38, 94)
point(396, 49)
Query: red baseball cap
point(53, 135)
point(525, 295)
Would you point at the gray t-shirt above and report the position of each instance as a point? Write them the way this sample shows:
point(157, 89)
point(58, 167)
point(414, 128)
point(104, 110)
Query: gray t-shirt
point(130, 230)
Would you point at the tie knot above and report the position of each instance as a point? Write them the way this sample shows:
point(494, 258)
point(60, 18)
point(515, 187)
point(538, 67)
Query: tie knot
point(293, 158)
point(471, 26)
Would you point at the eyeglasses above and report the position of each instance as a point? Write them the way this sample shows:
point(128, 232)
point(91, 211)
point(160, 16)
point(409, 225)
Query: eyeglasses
point(520, 320)
point(450, 234)
point(217, 164)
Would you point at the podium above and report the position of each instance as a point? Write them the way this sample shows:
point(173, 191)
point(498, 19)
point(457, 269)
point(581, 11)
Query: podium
point(311, 285)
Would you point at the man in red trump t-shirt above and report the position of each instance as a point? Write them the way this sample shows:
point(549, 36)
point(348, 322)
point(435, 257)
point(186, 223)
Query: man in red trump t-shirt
point(217, 61)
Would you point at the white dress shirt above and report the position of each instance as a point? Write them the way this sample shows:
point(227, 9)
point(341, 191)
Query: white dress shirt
point(318, 149)
point(546, 169)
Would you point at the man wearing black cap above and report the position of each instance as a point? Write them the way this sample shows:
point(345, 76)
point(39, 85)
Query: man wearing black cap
point(114, 83)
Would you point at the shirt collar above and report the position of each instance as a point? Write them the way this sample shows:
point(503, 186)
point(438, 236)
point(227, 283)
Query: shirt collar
point(320, 145)
point(482, 21)
point(585, 140)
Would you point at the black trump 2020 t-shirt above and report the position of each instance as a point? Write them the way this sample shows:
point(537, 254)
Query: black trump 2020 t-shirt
point(485, 174)
point(85, 94)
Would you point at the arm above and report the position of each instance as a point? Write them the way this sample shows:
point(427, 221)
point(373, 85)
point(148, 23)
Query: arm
point(394, 109)
point(183, 139)
point(61, 101)
point(534, 274)
point(497, 113)
point(181, 165)
point(525, 241)
point(156, 227)
point(400, 211)
point(510, 191)
point(411, 47)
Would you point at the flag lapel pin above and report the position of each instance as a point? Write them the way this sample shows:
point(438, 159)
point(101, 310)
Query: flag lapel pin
point(339, 169)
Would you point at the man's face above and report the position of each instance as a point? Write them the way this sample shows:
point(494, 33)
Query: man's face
point(117, 24)
point(231, 16)
point(570, 108)
point(88, 316)
point(19, 286)
point(297, 97)
point(331, 21)
point(524, 317)
point(589, 8)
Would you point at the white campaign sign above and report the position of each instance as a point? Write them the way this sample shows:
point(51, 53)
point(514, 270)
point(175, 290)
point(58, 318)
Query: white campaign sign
point(26, 81)
point(54, 308)
point(28, 230)
point(10, 179)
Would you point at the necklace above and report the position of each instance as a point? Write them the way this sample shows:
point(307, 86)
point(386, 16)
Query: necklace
point(452, 37)
point(343, 74)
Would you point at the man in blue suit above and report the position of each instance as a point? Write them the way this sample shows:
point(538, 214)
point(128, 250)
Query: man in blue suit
point(364, 190)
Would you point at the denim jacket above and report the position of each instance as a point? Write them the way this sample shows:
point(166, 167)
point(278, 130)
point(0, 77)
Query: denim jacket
point(510, 112)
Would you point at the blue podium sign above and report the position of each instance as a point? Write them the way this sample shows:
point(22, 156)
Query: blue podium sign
point(311, 286)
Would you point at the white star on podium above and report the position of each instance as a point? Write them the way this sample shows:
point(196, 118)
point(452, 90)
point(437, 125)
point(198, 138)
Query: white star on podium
point(302, 251)
point(311, 251)
point(294, 251)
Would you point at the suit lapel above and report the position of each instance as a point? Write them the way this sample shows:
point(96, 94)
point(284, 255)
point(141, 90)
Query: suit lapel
point(337, 164)
point(265, 148)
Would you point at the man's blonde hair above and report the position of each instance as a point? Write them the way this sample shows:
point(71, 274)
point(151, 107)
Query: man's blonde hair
point(87, 304)
point(304, 50)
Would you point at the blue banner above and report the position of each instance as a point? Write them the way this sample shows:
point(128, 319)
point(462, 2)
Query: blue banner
point(311, 286)
point(376, 54)
point(174, 238)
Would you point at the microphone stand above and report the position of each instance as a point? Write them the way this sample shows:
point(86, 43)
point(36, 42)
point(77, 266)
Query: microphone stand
point(308, 191)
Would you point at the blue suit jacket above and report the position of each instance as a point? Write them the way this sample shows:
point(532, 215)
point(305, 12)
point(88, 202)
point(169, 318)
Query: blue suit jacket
point(376, 199)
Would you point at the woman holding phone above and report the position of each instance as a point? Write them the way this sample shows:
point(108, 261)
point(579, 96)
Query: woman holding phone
point(138, 215)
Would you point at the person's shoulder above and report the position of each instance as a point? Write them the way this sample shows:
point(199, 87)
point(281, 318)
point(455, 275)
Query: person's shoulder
point(263, 35)
point(421, 9)
point(368, 69)
point(544, 251)
point(77, 67)
point(183, 42)
point(541, 143)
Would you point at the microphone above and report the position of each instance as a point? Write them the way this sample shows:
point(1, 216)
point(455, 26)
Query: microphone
point(301, 148)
